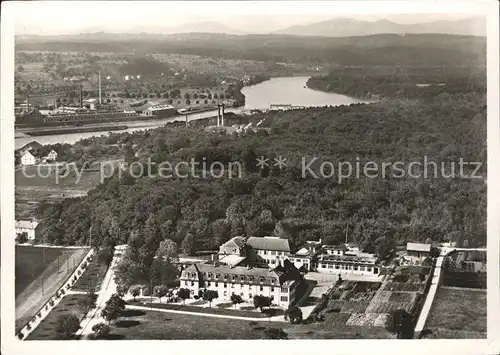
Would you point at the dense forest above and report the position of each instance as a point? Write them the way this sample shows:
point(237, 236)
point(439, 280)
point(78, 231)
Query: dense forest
point(379, 49)
point(402, 82)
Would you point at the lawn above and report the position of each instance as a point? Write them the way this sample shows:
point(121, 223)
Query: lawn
point(92, 277)
point(29, 263)
point(455, 313)
point(53, 178)
point(214, 310)
point(70, 304)
point(151, 325)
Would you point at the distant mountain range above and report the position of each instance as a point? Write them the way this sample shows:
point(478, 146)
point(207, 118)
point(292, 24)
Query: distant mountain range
point(339, 27)
point(347, 27)
point(202, 27)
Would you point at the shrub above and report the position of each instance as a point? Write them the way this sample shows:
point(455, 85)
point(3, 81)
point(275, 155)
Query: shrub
point(101, 330)
point(51, 303)
point(62, 291)
point(39, 315)
point(28, 326)
point(79, 272)
point(20, 335)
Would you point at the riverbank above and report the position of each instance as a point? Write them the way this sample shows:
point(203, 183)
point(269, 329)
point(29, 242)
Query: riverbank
point(236, 90)
point(68, 130)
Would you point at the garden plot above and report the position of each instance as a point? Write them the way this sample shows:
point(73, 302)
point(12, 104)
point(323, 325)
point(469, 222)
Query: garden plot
point(367, 319)
point(348, 298)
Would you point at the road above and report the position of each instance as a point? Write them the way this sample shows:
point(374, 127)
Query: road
point(107, 289)
point(424, 313)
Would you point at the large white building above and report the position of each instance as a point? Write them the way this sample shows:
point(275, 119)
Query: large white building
point(345, 259)
point(31, 228)
point(279, 284)
point(272, 250)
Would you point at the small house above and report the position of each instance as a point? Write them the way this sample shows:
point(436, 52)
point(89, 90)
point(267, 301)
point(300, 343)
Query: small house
point(418, 250)
point(31, 228)
point(27, 158)
point(51, 156)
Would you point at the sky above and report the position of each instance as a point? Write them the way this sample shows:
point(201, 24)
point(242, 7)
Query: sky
point(69, 17)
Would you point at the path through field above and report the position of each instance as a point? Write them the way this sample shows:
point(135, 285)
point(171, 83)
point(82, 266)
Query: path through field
point(31, 299)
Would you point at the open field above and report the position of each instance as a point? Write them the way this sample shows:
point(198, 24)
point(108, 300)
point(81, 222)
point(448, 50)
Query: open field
point(33, 294)
point(38, 183)
point(70, 304)
point(47, 176)
point(457, 314)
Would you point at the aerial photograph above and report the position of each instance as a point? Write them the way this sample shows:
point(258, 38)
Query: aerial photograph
point(248, 176)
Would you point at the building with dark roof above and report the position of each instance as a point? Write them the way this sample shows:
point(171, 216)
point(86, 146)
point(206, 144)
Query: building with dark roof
point(279, 284)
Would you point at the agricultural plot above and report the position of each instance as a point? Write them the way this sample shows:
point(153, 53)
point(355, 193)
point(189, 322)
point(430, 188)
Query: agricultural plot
point(368, 319)
point(403, 291)
point(465, 269)
point(457, 314)
point(349, 298)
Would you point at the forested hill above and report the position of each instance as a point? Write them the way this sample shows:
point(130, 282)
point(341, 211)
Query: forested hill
point(380, 49)
point(200, 214)
point(402, 82)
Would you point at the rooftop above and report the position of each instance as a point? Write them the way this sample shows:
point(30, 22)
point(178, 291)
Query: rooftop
point(236, 241)
point(269, 243)
point(31, 145)
point(26, 224)
point(161, 107)
point(348, 258)
point(418, 247)
point(232, 260)
point(237, 270)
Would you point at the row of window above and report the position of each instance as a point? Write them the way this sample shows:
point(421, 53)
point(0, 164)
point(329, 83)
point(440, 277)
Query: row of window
point(272, 252)
point(216, 284)
point(250, 296)
point(346, 267)
point(233, 278)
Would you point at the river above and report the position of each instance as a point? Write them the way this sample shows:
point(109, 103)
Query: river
point(282, 90)
point(291, 91)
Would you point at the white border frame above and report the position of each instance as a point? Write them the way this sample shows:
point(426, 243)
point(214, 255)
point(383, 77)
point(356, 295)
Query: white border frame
point(10, 344)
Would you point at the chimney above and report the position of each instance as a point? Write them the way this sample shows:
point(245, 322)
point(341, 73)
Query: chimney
point(100, 101)
point(222, 116)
